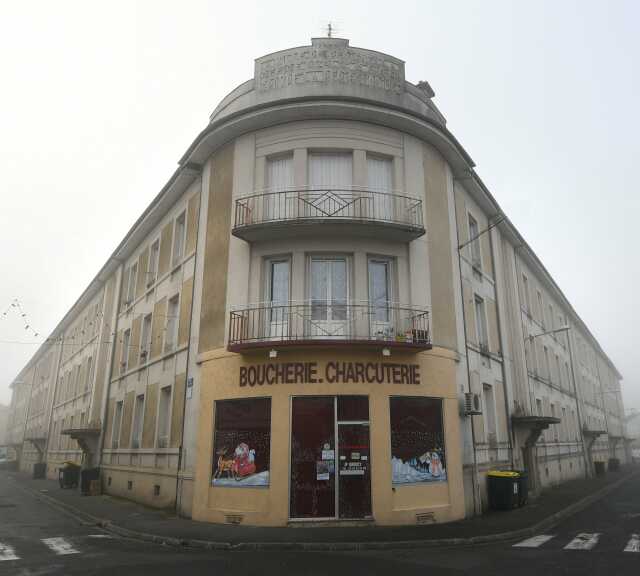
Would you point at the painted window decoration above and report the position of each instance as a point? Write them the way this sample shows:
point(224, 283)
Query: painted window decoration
point(417, 440)
point(242, 442)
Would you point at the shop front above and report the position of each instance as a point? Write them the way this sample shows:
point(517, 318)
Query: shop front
point(329, 438)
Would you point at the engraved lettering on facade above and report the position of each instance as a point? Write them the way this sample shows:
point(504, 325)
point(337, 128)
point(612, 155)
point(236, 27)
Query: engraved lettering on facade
point(339, 65)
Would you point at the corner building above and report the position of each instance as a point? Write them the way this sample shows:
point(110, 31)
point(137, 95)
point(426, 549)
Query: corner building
point(325, 316)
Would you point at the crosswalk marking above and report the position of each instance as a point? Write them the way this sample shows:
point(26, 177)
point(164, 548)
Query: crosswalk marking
point(534, 542)
point(7, 553)
point(634, 544)
point(584, 541)
point(60, 546)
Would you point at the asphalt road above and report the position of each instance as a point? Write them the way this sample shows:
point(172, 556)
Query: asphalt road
point(37, 540)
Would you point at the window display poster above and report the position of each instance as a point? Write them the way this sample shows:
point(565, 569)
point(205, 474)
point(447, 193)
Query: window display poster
point(417, 440)
point(242, 442)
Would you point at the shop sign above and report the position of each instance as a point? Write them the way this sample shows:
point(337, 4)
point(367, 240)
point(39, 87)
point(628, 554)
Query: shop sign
point(332, 372)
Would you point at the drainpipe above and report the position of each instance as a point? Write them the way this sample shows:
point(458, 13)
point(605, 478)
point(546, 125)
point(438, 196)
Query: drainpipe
point(113, 325)
point(178, 499)
point(476, 504)
point(502, 367)
point(587, 465)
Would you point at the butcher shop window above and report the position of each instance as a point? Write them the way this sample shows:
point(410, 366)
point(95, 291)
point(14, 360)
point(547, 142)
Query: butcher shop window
point(417, 440)
point(242, 442)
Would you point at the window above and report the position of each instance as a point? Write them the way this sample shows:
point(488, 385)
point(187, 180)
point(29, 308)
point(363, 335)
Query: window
point(329, 289)
point(242, 442)
point(566, 369)
point(380, 185)
point(87, 382)
point(279, 178)
point(539, 407)
point(489, 411)
point(145, 338)
point(131, 286)
point(551, 319)
point(540, 308)
point(474, 245)
point(525, 294)
point(178, 239)
point(154, 254)
point(417, 440)
point(547, 365)
point(163, 417)
point(481, 324)
point(117, 421)
point(124, 358)
point(330, 172)
point(558, 372)
point(172, 324)
point(380, 296)
point(565, 425)
point(138, 417)
point(278, 279)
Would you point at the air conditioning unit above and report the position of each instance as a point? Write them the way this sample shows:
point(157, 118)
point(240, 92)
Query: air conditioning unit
point(472, 404)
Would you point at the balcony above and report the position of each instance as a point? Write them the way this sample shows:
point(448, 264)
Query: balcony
point(320, 323)
point(272, 215)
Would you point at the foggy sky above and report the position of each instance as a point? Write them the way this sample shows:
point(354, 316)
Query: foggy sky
point(99, 100)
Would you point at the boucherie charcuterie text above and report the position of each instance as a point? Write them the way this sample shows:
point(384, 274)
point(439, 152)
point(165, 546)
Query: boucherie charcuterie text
point(334, 372)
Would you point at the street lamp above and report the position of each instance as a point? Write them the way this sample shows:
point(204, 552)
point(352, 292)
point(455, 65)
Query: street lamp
point(566, 328)
point(561, 329)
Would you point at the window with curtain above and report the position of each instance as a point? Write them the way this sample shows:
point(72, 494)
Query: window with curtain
point(329, 289)
point(278, 297)
point(330, 182)
point(380, 289)
point(380, 186)
point(278, 204)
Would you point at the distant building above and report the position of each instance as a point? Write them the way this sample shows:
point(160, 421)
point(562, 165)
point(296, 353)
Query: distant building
point(633, 427)
point(323, 315)
point(4, 417)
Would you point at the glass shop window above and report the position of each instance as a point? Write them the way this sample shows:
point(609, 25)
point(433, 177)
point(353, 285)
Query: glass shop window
point(417, 440)
point(242, 442)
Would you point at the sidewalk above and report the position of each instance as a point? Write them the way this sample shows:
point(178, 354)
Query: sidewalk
point(136, 521)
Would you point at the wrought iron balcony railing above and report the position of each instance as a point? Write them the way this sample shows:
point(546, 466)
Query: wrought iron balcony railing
point(322, 322)
point(267, 214)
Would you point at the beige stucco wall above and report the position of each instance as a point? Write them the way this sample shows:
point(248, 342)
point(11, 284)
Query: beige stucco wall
point(270, 506)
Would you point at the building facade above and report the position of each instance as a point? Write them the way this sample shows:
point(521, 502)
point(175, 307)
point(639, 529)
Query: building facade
point(324, 315)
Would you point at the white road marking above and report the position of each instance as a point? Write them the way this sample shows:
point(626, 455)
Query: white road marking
point(7, 553)
point(634, 544)
point(534, 542)
point(583, 541)
point(99, 536)
point(60, 546)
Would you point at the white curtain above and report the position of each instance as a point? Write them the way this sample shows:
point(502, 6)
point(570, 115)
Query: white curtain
point(330, 171)
point(380, 179)
point(279, 179)
point(379, 174)
point(330, 182)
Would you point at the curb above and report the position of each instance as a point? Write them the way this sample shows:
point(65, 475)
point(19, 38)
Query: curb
point(545, 524)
